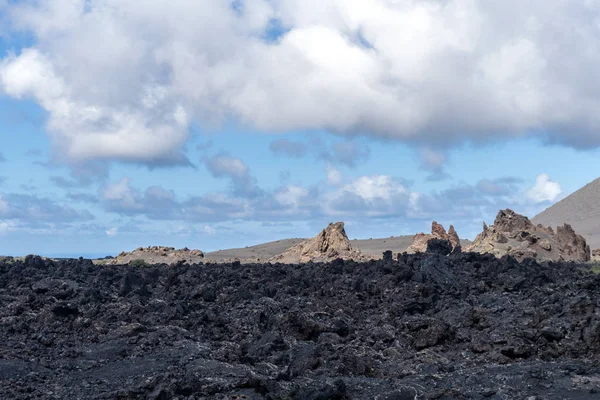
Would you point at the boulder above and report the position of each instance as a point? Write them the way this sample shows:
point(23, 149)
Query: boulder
point(330, 244)
point(513, 234)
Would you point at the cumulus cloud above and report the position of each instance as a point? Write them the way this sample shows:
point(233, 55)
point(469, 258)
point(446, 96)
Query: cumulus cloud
point(30, 209)
point(376, 195)
point(369, 196)
point(358, 199)
point(155, 202)
point(544, 189)
point(225, 166)
point(421, 71)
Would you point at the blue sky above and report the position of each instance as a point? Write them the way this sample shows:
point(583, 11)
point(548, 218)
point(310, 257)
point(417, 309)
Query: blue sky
point(212, 126)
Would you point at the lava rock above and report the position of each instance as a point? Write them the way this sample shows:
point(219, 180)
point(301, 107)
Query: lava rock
point(442, 324)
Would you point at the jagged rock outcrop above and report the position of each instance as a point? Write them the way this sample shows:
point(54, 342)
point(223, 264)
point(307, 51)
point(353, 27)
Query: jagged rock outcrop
point(159, 255)
point(330, 244)
point(596, 253)
point(454, 239)
point(421, 240)
point(514, 234)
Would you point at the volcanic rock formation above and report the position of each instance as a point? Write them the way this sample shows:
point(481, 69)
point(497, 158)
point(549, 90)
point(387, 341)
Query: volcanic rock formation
point(421, 240)
point(332, 243)
point(159, 255)
point(514, 234)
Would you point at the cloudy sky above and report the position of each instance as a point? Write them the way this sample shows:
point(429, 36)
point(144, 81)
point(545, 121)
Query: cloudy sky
point(220, 123)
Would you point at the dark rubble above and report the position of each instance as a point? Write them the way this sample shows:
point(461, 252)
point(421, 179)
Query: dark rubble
point(425, 326)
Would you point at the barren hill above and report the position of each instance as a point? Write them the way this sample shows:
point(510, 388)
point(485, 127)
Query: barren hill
point(581, 210)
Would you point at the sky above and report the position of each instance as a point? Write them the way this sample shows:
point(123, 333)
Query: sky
point(215, 124)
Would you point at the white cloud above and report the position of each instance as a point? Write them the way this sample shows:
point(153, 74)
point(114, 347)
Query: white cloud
point(85, 129)
point(544, 189)
point(209, 230)
point(7, 226)
point(120, 81)
point(224, 165)
point(121, 193)
point(375, 187)
point(291, 196)
point(112, 232)
point(334, 176)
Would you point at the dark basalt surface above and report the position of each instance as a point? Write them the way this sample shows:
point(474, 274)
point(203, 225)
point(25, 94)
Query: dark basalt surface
point(465, 326)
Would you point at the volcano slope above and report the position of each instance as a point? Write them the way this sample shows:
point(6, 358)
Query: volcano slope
point(426, 326)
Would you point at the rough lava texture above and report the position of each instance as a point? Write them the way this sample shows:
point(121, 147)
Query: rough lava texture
point(421, 240)
point(513, 234)
point(159, 255)
point(424, 326)
point(330, 244)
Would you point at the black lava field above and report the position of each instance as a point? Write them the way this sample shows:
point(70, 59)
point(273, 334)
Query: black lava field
point(464, 326)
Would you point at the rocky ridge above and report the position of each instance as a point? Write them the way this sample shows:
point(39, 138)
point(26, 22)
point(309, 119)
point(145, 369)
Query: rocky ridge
point(330, 244)
point(421, 240)
point(515, 235)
